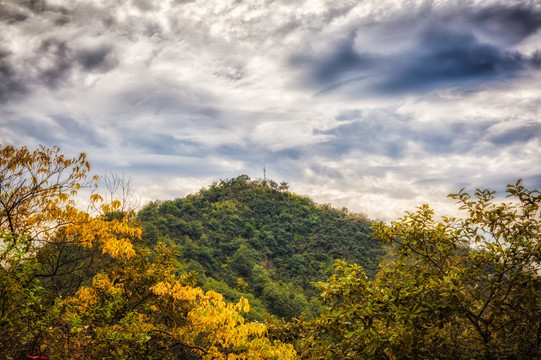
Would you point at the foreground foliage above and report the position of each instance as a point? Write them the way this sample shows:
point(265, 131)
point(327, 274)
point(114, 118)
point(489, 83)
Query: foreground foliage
point(76, 284)
point(456, 289)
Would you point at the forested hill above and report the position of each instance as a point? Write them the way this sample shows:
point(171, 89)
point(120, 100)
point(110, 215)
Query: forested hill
point(258, 240)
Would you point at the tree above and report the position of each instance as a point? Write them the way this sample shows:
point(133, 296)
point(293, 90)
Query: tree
point(455, 289)
point(48, 247)
point(36, 190)
point(38, 203)
point(137, 308)
point(79, 284)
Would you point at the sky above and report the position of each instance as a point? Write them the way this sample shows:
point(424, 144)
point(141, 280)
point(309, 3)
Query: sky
point(374, 105)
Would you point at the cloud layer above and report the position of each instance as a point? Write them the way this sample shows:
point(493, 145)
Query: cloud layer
point(375, 105)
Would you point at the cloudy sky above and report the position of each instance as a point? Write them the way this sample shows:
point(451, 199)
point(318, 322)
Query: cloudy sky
point(374, 105)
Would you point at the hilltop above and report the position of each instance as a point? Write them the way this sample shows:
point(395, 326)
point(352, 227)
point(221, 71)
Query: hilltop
point(254, 238)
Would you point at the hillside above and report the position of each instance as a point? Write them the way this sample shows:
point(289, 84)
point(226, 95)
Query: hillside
point(258, 240)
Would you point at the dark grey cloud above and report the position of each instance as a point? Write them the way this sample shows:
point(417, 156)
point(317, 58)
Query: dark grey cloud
point(521, 134)
point(448, 58)
point(52, 65)
point(342, 63)
point(61, 62)
point(35, 5)
point(63, 59)
point(510, 24)
point(50, 57)
point(446, 51)
point(99, 59)
point(11, 84)
point(11, 14)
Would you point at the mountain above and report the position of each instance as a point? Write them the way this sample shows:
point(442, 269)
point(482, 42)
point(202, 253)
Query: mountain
point(254, 238)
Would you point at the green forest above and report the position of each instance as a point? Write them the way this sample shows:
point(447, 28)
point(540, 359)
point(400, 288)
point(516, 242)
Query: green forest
point(256, 240)
point(246, 269)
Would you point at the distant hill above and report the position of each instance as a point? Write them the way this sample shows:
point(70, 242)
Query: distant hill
point(258, 240)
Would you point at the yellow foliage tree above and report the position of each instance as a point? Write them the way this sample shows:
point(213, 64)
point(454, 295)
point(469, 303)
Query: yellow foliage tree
point(216, 328)
point(139, 309)
point(78, 285)
point(38, 191)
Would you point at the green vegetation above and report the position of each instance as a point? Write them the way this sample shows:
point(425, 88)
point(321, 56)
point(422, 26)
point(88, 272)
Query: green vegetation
point(254, 239)
point(456, 289)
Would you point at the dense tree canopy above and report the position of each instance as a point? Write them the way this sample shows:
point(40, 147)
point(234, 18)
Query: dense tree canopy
point(258, 240)
point(456, 288)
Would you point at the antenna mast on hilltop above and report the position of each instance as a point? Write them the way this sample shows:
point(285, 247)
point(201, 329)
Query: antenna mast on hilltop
point(264, 174)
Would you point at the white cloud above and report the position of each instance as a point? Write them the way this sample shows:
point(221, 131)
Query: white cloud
point(177, 94)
